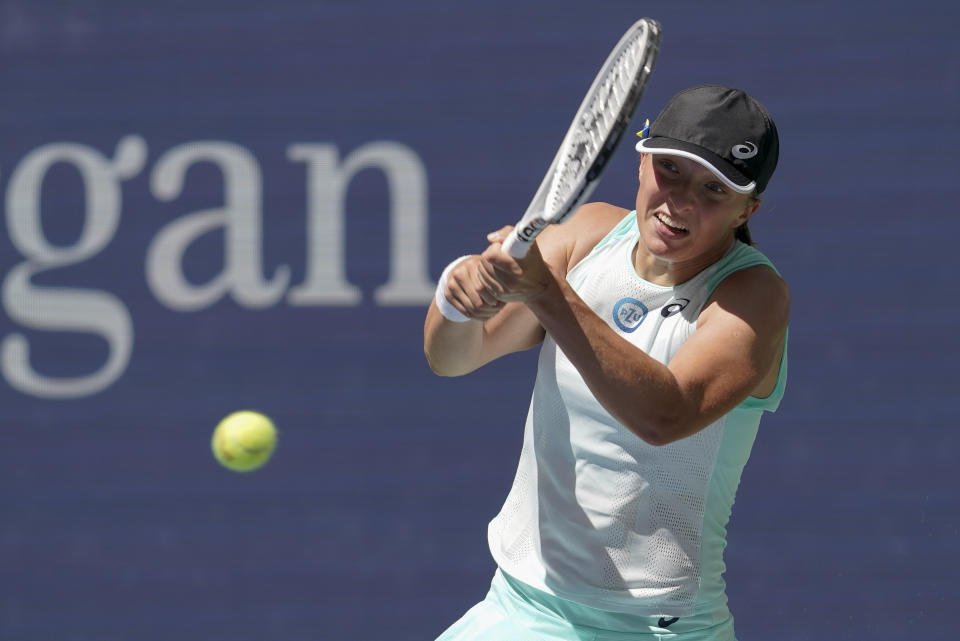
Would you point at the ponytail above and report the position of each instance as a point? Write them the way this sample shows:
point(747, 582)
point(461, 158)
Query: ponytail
point(742, 233)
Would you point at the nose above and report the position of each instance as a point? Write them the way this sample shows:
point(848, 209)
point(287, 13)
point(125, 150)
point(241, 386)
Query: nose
point(681, 197)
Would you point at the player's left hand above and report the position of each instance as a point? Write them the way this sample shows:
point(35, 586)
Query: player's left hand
point(509, 279)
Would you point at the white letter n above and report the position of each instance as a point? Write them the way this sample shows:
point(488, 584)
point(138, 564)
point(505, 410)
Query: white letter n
point(325, 284)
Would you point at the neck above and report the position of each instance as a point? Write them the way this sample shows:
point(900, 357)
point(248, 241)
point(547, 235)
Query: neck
point(668, 273)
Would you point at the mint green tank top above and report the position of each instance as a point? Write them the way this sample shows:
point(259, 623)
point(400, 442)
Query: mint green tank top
point(595, 514)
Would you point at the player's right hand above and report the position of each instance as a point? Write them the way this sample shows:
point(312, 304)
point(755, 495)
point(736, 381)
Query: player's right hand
point(465, 291)
point(512, 279)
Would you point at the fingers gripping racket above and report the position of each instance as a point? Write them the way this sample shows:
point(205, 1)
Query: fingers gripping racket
point(593, 136)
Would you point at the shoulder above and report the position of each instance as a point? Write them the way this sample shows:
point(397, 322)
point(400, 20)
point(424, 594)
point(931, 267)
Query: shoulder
point(756, 294)
point(564, 245)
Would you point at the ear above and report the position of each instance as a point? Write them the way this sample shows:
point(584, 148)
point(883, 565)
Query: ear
point(748, 210)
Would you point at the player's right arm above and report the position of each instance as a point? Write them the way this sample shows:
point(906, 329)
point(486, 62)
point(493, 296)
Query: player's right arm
point(495, 328)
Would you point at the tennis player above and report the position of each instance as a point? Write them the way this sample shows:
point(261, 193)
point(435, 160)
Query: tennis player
point(663, 338)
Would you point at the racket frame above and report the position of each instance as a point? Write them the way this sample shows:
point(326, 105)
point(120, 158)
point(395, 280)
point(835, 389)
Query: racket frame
point(536, 218)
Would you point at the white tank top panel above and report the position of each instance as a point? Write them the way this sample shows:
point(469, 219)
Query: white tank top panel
point(595, 514)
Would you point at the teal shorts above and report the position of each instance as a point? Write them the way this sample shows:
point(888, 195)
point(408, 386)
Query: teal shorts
point(514, 611)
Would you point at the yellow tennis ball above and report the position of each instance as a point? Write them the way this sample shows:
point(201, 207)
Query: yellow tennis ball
point(243, 441)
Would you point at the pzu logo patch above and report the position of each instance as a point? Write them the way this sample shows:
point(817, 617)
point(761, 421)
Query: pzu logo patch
point(629, 313)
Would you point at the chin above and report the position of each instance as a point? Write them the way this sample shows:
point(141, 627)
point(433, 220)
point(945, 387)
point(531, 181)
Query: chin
point(659, 246)
point(656, 246)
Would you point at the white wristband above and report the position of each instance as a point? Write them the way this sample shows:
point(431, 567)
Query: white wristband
point(445, 307)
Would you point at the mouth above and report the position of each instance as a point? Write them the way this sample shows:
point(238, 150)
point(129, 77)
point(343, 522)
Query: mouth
point(669, 225)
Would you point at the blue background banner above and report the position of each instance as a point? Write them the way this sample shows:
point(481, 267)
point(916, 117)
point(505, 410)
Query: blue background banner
point(213, 206)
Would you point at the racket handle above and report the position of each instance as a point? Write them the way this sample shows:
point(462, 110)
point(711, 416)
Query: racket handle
point(515, 246)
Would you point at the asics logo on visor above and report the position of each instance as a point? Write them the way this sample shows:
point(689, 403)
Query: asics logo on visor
point(744, 150)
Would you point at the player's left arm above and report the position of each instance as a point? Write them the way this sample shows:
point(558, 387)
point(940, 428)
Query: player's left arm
point(733, 353)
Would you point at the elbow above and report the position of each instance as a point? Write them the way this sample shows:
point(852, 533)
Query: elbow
point(441, 368)
point(435, 367)
point(658, 431)
point(655, 438)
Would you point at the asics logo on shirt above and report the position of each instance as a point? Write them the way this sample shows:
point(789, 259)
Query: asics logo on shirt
point(629, 313)
point(675, 307)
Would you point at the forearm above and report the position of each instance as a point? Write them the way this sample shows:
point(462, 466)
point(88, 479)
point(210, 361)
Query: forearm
point(636, 389)
point(452, 349)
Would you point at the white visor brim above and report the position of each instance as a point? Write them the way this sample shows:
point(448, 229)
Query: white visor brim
point(740, 189)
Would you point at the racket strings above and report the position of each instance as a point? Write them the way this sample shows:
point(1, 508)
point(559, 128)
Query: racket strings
point(599, 116)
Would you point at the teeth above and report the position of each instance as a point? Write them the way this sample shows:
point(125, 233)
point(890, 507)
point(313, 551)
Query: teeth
point(670, 222)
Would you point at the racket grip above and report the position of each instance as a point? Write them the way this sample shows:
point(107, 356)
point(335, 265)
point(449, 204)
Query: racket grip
point(516, 246)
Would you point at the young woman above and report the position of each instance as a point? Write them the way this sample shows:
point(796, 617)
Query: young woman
point(663, 341)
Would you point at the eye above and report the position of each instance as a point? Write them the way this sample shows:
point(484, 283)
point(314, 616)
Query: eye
point(717, 188)
point(668, 165)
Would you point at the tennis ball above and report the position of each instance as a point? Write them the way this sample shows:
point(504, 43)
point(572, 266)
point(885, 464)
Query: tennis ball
point(243, 441)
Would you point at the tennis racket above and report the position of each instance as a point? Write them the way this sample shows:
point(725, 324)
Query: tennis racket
point(593, 136)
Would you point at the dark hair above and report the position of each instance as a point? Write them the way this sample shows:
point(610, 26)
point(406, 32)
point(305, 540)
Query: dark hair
point(742, 233)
